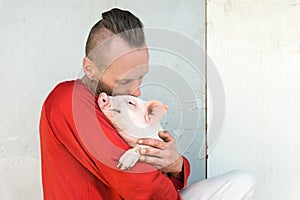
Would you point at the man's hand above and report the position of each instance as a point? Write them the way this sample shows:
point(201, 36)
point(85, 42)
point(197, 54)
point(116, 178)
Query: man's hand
point(162, 154)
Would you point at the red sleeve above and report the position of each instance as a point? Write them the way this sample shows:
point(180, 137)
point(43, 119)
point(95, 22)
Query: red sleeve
point(86, 134)
point(180, 184)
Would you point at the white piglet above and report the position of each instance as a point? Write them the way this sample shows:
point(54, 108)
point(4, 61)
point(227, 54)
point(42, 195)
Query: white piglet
point(134, 118)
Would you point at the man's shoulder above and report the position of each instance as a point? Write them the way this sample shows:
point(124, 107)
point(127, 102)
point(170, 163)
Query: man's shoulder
point(66, 93)
point(62, 91)
point(65, 86)
point(61, 96)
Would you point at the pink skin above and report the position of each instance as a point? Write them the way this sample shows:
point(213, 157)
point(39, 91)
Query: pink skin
point(133, 119)
point(133, 116)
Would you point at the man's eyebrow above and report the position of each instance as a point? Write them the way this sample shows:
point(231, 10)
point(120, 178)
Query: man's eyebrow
point(130, 79)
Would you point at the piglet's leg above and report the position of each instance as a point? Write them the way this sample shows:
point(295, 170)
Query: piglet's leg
point(129, 158)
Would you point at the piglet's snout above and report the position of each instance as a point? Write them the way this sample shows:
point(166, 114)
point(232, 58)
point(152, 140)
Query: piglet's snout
point(103, 100)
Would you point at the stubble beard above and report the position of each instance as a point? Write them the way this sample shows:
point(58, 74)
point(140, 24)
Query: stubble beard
point(102, 87)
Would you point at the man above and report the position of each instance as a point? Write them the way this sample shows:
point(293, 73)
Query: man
point(79, 146)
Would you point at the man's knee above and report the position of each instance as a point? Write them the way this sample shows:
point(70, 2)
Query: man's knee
point(243, 178)
point(245, 182)
point(235, 185)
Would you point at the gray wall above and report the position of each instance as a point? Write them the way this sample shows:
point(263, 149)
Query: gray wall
point(255, 46)
point(42, 44)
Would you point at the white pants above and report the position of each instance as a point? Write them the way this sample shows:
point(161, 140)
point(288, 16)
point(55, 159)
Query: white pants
point(234, 185)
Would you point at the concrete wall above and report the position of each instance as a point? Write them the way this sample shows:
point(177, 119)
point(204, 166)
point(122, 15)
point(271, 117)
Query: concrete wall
point(255, 46)
point(42, 44)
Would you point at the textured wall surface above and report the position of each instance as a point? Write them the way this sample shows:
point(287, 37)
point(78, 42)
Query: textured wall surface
point(256, 47)
point(42, 44)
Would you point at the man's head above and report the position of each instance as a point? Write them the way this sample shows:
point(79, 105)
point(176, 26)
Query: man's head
point(116, 54)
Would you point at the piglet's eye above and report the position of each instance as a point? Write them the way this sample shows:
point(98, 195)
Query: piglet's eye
point(131, 103)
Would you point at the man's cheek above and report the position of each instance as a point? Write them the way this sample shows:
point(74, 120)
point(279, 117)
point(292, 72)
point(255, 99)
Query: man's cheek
point(120, 90)
point(102, 87)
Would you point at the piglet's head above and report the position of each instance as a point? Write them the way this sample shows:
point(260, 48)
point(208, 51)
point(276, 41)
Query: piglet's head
point(126, 112)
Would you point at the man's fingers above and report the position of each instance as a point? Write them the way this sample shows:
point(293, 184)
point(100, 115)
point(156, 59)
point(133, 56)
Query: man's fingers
point(151, 152)
point(155, 161)
point(153, 143)
point(164, 135)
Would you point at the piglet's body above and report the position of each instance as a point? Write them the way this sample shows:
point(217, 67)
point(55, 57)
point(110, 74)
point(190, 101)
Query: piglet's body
point(134, 118)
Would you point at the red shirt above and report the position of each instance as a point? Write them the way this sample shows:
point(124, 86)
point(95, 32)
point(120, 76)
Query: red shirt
point(80, 149)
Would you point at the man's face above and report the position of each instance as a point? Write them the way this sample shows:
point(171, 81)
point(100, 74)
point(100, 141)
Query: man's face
point(125, 74)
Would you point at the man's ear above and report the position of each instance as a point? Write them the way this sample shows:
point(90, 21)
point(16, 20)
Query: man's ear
point(155, 110)
point(89, 68)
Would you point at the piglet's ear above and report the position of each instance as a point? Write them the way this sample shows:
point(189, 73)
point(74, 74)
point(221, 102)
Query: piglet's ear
point(155, 110)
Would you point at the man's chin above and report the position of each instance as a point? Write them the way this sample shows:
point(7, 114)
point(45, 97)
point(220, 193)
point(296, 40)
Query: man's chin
point(102, 88)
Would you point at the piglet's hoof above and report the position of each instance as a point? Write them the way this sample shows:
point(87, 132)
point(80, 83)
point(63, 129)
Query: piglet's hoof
point(128, 159)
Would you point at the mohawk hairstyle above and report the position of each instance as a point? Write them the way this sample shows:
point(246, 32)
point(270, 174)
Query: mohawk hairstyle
point(112, 23)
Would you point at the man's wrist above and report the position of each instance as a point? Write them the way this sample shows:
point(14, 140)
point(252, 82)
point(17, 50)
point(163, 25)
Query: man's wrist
point(177, 171)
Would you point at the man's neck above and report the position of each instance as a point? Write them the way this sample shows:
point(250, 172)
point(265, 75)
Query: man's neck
point(89, 84)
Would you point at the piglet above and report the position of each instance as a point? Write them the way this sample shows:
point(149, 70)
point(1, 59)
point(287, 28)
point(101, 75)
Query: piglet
point(134, 118)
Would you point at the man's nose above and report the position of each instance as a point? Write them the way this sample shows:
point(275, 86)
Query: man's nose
point(136, 92)
point(134, 88)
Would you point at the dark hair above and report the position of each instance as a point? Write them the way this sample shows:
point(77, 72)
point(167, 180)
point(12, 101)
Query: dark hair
point(112, 23)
